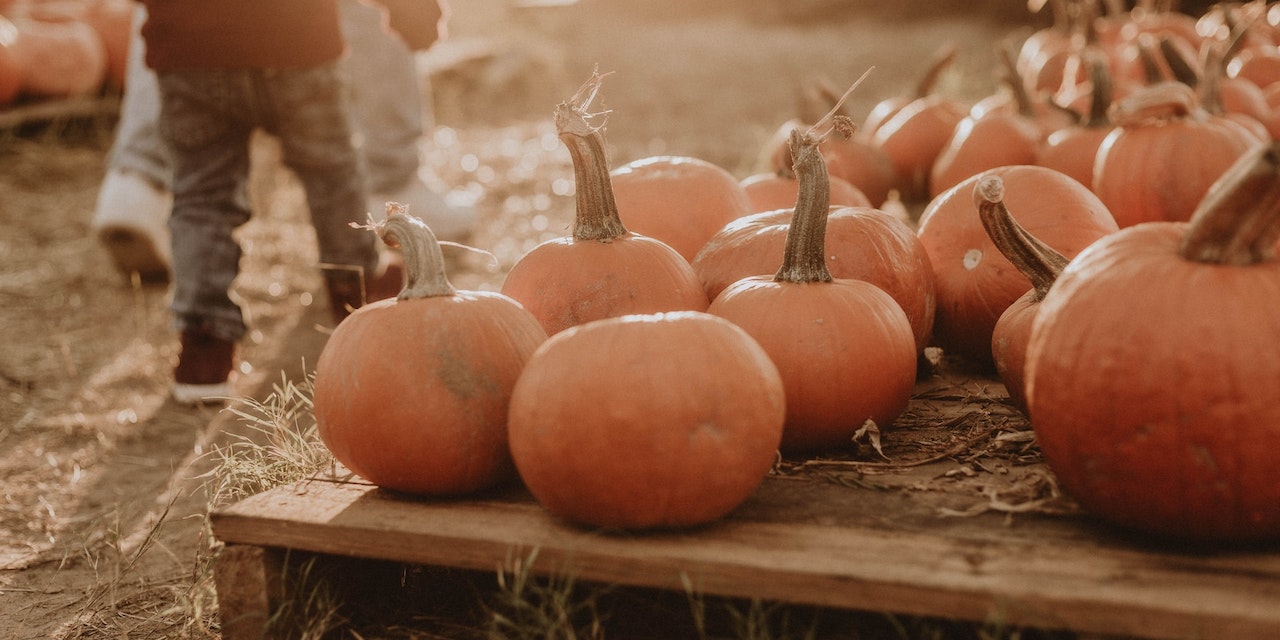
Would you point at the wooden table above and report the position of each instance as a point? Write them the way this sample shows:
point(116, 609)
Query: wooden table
point(942, 535)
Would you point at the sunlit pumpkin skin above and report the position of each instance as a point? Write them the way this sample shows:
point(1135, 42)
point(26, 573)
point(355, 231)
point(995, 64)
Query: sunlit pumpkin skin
point(861, 244)
point(993, 140)
point(1036, 260)
point(602, 270)
point(412, 393)
point(770, 191)
point(646, 421)
point(679, 200)
point(844, 348)
point(1163, 155)
point(974, 283)
point(113, 21)
point(914, 137)
point(854, 160)
point(1152, 378)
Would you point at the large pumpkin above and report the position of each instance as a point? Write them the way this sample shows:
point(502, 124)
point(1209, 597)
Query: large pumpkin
point(602, 270)
point(844, 348)
point(973, 281)
point(646, 421)
point(1152, 374)
point(411, 393)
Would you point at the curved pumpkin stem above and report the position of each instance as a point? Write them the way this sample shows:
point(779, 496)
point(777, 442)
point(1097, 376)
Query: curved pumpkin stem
point(597, 213)
point(942, 60)
point(1238, 222)
point(1013, 81)
point(1041, 263)
point(1160, 101)
point(804, 258)
point(424, 272)
point(1183, 70)
point(1102, 92)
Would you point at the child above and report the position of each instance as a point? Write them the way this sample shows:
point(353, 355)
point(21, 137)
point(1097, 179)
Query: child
point(226, 69)
point(131, 216)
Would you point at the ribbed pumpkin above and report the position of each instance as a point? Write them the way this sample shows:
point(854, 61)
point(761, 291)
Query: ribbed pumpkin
point(602, 270)
point(646, 421)
point(1039, 262)
point(973, 281)
point(411, 393)
point(679, 200)
point(1164, 154)
point(844, 348)
point(1151, 370)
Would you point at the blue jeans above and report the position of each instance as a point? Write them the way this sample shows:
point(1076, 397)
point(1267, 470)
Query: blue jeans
point(206, 121)
point(387, 110)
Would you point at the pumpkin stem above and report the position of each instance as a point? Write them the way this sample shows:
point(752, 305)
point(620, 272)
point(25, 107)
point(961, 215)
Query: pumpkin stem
point(597, 213)
point(1038, 261)
point(1183, 69)
point(1013, 81)
point(424, 273)
point(942, 60)
point(1153, 103)
point(1238, 222)
point(1101, 92)
point(834, 120)
point(804, 258)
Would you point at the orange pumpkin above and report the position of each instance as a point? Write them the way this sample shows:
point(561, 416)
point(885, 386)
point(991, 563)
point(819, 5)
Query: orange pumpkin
point(1164, 154)
point(844, 348)
point(974, 282)
point(1151, 376)
point(646, 421)
point(411, 393)
point(602, 270)
point(1039, 262)
point(679, 200)
point(1073, 149)
point(770, 191)
point(59, 58)
point(10, 70)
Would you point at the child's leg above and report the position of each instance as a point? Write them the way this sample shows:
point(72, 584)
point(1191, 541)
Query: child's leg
point(309, 115)
point(202, 121)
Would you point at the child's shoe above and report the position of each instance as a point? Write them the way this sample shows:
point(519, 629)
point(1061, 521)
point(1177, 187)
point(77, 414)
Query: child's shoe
point(203, 374)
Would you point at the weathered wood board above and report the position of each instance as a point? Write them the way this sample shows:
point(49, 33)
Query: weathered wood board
point(962, 522)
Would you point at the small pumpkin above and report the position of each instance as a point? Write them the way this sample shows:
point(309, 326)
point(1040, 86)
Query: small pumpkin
point(1039, 262)
point(412, 393)
point(844, 348)
point(1073, 149)
point(974, 282)
point(1150, 379)
point(603, 269)
point(60, 58)
point(651, 421)
point(679, 200)
point(10, 69)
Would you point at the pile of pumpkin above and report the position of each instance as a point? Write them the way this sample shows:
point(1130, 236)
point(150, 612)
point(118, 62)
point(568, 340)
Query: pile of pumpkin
point(646, 371)
point(55, 49)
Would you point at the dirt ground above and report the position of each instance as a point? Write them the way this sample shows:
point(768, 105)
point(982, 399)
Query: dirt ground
point(101, 499)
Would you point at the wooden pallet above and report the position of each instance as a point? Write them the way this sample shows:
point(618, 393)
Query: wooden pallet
point(938, 536)
point(17, 115)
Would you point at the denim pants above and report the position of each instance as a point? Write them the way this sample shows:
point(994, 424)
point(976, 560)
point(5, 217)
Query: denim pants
point(207, 119)
point(387, 110)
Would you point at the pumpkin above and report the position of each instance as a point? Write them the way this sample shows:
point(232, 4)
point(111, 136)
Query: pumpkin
point(1164, 154)
point(1039, 262)
point(10, 70)
point(844, 348)
point(1072, 150)
point(974, 283)
point(113, 21)
point(679, 200)
point(1150, 373)
point(646, 421)
point(989, 138)
point(916, 133)
point(770, 191)
point(59, 59)
point(602, 270)
point(412, 393)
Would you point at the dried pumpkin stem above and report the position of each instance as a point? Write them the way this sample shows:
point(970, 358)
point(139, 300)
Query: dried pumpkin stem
point(1238, 221)
point(1102, 93)
point(942, 60)
point(596, 215)
point(1041, 263)
point(804, 257)
point(423, 261)
point(1012, 80)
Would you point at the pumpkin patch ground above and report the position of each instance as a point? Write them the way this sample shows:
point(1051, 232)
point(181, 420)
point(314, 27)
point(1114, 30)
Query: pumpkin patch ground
point(105, 484)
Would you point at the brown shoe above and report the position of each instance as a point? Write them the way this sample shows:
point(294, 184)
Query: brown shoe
point(348, 291)
point(204, 368)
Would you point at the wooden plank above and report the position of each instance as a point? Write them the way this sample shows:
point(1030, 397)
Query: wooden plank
point(250, 587)
point(809, 542)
